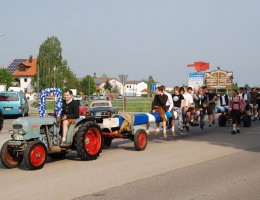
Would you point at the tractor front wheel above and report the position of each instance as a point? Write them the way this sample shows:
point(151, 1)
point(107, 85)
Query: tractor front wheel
point(88, 141)
point(35, 155)
point(9, 157)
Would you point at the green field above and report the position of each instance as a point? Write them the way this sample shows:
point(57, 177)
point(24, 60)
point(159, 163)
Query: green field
point(132, 104)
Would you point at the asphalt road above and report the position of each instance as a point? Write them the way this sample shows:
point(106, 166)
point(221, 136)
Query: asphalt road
point(203, 164)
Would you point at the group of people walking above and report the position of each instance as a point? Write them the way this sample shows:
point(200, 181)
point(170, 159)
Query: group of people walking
point(190, 106)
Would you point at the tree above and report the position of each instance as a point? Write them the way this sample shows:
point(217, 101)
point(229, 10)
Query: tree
point(53, 70)
point(150, 82)
point(115, 89)
point(88, 85)
point(246, 86)
point(6, 77)
point(104, 76)
point(108, 86)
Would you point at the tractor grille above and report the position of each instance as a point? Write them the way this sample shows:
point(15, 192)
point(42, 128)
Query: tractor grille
point(17, 126)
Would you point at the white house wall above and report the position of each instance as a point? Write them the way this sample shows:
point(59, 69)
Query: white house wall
point(26, 85)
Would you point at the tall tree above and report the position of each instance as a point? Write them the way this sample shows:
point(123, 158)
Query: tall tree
point(53, 70)
point(104, 76)
point(247, 86)
point(49, 61)
point(108, 86)
point(6, 77)
point(150, 82)
point(88, 85)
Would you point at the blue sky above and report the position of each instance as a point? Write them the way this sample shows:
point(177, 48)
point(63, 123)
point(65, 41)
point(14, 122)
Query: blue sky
point(138, 37)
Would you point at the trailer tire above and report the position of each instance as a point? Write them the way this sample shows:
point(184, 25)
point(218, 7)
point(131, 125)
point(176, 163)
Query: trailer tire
point(140, 139)
point(246, 120)
point(106, 140)
point(222, 120)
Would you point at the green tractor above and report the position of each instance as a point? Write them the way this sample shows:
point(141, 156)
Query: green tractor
point(35, 138)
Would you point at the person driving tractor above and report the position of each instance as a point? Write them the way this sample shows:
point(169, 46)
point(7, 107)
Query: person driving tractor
point(70, 112)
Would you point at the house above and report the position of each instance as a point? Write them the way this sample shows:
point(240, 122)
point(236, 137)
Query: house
point(100, 83)
point(134, 88)
point(23, 70)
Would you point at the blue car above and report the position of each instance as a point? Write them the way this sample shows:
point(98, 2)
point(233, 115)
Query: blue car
point(14, 103)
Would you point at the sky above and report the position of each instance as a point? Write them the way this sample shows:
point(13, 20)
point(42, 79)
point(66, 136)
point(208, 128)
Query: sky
point(138, 37)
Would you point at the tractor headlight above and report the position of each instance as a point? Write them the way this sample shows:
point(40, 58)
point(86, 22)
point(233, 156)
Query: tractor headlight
point(21, 132)
point(11, 132)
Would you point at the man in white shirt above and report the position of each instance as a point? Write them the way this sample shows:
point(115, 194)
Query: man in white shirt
point(187, 110)
point(169, 106)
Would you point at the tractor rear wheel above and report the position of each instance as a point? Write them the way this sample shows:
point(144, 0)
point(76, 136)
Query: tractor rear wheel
point(35, 155)
point(88, 141)
point(140, 139)
point(9, 157)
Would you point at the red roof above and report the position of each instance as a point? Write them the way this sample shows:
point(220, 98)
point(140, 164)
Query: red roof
point(30, 68)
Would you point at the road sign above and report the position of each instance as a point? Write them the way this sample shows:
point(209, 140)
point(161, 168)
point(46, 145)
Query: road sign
point(219, 79)
point(154, 87)
point(195, 80)
point(123, 78)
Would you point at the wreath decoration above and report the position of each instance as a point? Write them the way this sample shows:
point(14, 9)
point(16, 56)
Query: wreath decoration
point(42, 102)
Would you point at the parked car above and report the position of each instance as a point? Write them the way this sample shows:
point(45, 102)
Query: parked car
point(1, 120)
point(86, 97)
point(101, 97)
point(111, 97)
point(83, 108)
point(120, 96)
point(101, 109)
point(14, 103)
point(77, 97)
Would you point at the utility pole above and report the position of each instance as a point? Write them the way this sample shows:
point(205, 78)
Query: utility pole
point(38, 89)
point(123, 78)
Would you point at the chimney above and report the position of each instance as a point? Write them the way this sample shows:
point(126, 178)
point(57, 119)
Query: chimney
point(30, 59)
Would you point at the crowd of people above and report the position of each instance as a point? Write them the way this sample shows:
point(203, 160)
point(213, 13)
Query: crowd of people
point(190, 106)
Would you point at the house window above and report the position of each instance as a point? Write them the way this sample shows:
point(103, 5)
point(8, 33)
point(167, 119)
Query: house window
point(25, 80)
point(22, 68)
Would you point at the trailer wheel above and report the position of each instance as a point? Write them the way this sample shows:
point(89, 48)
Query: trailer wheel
point(35, 155)
point(246, 120)
point(106, 140)
point(140, 139)
point(9, 157)
point(88, 141)
point(222, 120)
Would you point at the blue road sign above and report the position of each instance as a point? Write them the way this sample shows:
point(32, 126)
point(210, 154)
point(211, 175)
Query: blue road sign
point(154, 87)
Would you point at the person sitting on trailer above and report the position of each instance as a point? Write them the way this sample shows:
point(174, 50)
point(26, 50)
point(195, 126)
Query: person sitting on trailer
point(223, 98)
point(159, 105)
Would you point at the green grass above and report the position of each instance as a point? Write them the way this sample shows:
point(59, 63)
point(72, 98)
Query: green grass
point(132, 104)
point(49, 105)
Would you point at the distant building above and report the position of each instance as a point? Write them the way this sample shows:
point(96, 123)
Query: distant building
point(134, 88)
point(23, 70)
